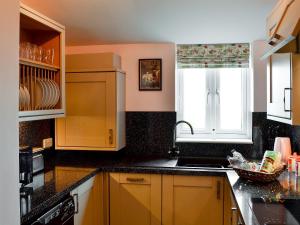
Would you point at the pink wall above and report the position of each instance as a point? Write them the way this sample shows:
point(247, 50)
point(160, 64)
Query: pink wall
point(130, 53)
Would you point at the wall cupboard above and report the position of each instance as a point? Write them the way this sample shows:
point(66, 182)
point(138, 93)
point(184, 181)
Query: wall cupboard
point(95, 110)
point(283, 92)
point(284, 21)
point(41, 66)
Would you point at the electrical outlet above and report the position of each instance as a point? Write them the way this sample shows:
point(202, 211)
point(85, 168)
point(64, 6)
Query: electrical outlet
point(47, 143)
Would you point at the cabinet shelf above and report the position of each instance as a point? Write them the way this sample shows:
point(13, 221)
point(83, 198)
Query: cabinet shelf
point(39, 65)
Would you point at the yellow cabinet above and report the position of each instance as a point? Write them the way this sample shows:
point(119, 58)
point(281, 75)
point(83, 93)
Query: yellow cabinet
point(283, 21)
point(95, 112)
point(89, 197)
point(231, 212)
point(192, 200)
point(135, 199)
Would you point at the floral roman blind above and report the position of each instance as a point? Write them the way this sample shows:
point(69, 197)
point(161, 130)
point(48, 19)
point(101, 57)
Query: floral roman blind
point(213, 55)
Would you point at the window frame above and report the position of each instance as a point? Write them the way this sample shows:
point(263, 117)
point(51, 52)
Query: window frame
point(212, 112)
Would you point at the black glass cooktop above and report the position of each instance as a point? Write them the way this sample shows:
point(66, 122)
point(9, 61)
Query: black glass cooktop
point(282, 212)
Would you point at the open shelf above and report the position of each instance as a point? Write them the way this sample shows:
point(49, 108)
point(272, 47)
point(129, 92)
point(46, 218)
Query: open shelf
point(41, 65)
point(42, 85)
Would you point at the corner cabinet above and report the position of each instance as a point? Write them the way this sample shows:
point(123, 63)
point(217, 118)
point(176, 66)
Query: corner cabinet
point(41, 66)
point(192, 200)
point(89, 196)
point(135, 199)
point(283, 88)
point(95, 111)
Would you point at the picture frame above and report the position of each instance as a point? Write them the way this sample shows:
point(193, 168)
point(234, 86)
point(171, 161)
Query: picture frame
point(150, 74)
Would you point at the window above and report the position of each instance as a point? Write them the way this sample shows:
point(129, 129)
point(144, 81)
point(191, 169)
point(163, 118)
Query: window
point(216, 101)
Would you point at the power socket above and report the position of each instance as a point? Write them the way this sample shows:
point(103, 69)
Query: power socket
point(47, 143)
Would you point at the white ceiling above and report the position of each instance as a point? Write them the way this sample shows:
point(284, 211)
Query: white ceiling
point(180, 21)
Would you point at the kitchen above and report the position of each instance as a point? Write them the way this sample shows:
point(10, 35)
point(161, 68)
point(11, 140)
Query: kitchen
point(143, 168)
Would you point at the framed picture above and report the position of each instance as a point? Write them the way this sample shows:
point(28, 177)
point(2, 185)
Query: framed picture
point(150, 75)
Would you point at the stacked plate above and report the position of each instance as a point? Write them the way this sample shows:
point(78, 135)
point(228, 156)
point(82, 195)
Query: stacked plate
point(24, 97)
point(47, 94)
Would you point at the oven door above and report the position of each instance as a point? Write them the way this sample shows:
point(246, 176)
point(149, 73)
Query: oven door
point(61, 214)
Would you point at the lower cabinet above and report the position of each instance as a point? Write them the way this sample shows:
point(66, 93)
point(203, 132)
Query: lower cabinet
point(135, 199)
point(154, 199)
point(231, 211)
point(89, 202)
point(192, 200)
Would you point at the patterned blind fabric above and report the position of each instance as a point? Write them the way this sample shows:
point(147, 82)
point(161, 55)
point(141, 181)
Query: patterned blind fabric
point(213, 56)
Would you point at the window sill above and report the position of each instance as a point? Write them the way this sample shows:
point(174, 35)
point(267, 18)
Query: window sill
point(225, 141)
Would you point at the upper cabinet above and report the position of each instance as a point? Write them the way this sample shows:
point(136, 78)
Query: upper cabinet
point(41, 66)
point(95, 105)
point(283, 79)
point(283, 24)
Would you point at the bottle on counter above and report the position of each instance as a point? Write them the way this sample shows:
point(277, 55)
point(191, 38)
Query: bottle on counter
point(292, 162)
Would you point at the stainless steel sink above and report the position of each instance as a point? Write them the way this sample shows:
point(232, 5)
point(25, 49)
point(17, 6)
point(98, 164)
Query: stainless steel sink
point(203, 162)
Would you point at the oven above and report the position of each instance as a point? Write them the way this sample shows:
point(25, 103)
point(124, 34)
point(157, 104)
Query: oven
point(60, 214)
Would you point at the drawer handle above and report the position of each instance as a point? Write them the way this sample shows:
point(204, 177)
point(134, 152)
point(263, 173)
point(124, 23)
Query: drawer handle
point(130, 179)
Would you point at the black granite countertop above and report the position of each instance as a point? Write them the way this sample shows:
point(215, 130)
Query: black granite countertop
point(61, 165)
point(261, 204)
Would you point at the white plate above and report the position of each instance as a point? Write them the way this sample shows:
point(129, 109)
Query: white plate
point(45, 96)
point(57, 93)
point(47, 93)
point(53, 88)
point(51, 93)
point(21, 97)
point(27, 96)
point(38, 94)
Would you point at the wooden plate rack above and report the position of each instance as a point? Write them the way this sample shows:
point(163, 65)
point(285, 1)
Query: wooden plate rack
point(30, 74)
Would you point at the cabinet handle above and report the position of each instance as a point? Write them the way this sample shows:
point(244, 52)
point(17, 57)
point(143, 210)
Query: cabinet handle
point(284, 91)
point(75, 196)
point(110, 137)
point(218, 190)
point(130, 179)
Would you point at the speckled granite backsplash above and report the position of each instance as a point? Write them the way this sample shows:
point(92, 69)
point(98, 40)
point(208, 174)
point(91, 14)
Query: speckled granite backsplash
point(151, 133)
point(32, 133)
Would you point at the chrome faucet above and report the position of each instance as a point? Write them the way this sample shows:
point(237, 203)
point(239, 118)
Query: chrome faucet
point(175, 150)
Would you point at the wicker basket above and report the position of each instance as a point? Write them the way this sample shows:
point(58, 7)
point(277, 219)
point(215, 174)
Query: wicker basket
point(259, 176)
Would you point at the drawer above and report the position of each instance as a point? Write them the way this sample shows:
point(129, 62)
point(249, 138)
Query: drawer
point(194, 181)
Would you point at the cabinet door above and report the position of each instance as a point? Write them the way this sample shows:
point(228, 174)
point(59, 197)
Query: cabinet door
point(192, 200)
point(90, 110)
point(230, 208)
point(88, 202)
point(135, 199)
point(279, 85)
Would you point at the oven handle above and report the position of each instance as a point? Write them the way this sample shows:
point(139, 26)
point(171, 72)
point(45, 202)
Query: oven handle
point(75, 196)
